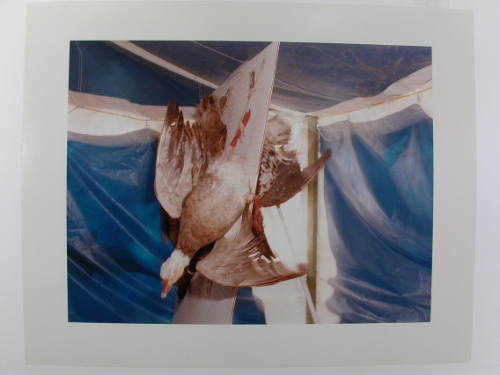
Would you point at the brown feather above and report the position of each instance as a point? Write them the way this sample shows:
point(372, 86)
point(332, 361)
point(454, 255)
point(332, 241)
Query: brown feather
point(185, 151)
point(289, 180)
point(245, 260)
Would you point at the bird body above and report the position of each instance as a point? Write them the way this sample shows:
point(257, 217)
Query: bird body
point(214, 204)
point(208, 212)
point(202, 185)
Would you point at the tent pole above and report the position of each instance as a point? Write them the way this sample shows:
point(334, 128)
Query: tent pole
point(312, 209)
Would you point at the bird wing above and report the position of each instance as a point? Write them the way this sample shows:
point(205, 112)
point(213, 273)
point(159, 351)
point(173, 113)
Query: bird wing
point(289, 179)
point(182, 156)
point(246, 260)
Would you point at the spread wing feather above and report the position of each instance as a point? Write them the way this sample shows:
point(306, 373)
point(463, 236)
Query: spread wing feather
point(280, 175)
point(246, 260)
point(184, 152)
point(289, 179)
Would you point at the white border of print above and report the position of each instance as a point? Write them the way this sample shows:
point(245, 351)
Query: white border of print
point(50, 339)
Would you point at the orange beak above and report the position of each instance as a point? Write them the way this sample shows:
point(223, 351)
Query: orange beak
point(165, 290)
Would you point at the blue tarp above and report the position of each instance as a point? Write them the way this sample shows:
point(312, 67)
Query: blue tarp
point(309, 76)
point(379, 199)
point(98, 68)
point(115, 246)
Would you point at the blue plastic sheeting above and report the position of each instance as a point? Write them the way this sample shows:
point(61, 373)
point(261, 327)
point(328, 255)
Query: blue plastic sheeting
point(309, 76)
point(115, 246)
point(99, 68)
point(379, 199)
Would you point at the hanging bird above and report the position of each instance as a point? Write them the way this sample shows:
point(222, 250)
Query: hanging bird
point(202, 185)
point(195, 177)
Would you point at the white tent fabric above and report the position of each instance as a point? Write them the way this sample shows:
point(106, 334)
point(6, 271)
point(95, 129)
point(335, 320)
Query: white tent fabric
point(103, 115)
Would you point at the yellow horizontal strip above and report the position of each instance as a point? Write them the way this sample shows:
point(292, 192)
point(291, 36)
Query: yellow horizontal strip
point(376, 104)
point(114, 114)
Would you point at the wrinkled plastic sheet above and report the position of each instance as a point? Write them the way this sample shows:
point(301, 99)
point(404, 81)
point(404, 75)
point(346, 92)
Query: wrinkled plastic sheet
point(309, 76)
point(114, 235)
point(379, 199)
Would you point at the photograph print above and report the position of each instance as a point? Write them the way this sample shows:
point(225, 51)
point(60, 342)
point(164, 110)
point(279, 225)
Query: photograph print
point(226, 182)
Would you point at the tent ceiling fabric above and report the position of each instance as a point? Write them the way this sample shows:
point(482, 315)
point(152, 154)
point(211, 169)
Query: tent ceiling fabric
point(100, 69)
point(310, 76)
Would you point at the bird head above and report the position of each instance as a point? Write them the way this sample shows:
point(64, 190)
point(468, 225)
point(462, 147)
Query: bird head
point(172, 269)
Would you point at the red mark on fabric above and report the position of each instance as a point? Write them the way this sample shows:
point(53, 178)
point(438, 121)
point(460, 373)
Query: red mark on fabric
point(243, 124)
point(246, 118)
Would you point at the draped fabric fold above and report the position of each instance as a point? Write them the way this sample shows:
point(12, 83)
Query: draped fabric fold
point(379, 199)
